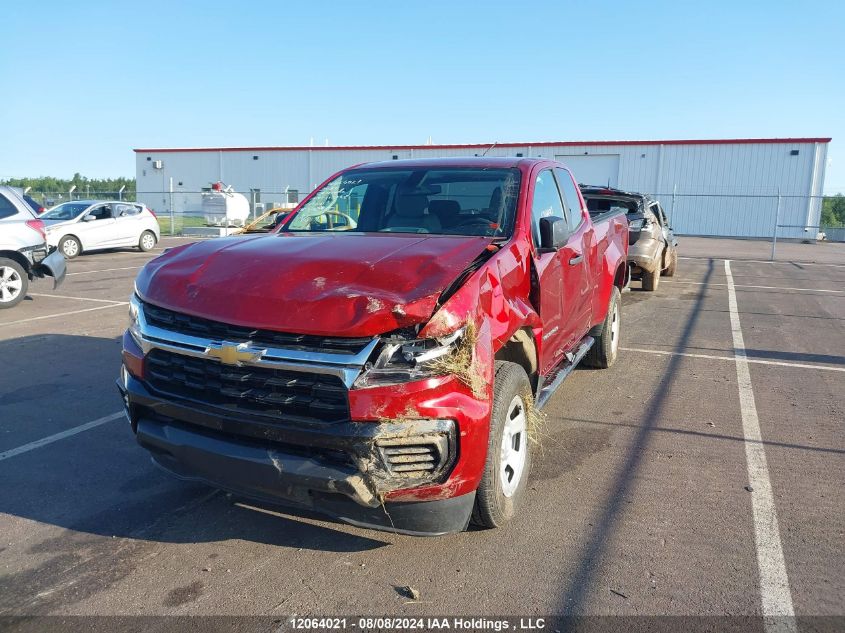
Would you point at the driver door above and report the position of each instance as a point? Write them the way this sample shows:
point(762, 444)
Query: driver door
point(546, 202)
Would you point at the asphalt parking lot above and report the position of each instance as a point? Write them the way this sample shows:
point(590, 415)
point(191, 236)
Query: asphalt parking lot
point(651, 495)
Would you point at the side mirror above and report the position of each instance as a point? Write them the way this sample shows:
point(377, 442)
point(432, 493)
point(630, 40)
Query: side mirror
point(553, 233)
point(88, 218)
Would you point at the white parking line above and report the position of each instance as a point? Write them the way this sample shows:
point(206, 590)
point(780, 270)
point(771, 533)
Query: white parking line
point(44, 441)
point(701, 283)
point(775, 595)
point(104, 270)
point(61, 314)
point(759, 361)
point(767, 261)
point(36, 294)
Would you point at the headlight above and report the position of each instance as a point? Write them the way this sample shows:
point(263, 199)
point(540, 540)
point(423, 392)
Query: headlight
point(635, 225)
point(134, 319)
point(402, 361)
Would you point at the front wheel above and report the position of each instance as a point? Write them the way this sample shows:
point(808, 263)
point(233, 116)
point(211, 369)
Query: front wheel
point(14, 283)
point(147, 241)
point(606, 347)
point(503, 483)
point(70, 246)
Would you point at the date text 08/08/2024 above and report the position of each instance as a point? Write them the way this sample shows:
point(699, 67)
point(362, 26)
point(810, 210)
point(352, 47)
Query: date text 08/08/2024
point(418, 624)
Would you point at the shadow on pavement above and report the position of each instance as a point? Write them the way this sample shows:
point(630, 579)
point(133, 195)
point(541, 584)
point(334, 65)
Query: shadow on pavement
point(99, 482)
point(577, 588)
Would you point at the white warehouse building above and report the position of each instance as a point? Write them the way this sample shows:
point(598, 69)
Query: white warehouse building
point(735, 187)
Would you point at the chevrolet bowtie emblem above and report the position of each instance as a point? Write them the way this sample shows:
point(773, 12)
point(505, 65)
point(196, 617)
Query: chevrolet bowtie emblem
point(233, 353)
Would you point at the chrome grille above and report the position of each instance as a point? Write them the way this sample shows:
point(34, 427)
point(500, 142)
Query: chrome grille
point(196, 326)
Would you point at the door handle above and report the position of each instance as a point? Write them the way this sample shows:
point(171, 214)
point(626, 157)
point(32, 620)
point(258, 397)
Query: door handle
point(574, 261)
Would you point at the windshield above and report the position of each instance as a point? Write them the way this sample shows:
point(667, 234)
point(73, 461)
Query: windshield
point(445, 201)
point(66, 211)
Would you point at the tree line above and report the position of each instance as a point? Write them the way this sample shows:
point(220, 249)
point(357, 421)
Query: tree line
point(56, 189)
point(833, 211)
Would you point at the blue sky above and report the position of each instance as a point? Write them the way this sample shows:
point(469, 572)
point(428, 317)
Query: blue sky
point(88, 81)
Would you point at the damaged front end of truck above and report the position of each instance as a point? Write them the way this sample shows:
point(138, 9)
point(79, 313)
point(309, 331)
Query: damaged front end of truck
point(371, 430)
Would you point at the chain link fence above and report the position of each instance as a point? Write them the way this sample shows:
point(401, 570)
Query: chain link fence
point(52, 198)
point(756, 216)
point(769, 216)
point(182, 211)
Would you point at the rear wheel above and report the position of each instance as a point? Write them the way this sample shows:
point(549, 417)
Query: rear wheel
point(651, 279)
point(70, 246)
point(673, 264)
point(147, 241)
point(503, 483)
point(606, 347)
point(14, 283)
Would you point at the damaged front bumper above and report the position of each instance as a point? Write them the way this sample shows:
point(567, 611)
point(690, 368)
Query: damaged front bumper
point(346, 469)
point(47, 262)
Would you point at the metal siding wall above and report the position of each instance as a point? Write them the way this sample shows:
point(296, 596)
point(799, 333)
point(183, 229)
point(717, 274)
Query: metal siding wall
point(714, 182)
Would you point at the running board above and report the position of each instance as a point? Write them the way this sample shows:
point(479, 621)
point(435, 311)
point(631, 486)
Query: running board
point(561, 371)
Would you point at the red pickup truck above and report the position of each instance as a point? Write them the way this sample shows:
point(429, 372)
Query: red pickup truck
point(380, 356)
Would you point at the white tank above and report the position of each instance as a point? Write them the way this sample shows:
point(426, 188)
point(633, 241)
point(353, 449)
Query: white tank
point(224, 207)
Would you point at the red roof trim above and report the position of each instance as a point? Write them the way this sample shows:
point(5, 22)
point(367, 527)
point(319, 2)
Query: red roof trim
point(734, 141)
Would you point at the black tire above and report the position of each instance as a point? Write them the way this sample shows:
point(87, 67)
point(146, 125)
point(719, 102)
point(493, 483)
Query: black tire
point(673, 264)
point(493, 507)
point(651, 279)
point(142, 239)
point(604, 351)
point(14, 282)
point(70, 247)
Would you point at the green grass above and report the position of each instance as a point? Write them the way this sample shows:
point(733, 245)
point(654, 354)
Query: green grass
point(179, 223)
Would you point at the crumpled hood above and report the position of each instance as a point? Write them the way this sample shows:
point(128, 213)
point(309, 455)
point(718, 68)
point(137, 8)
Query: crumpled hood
point(323, 284)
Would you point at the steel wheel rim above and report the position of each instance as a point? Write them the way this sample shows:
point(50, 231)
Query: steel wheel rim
point(514, 451)
point(614, 328)
point(148, 241)
point(10, 284)
point(70, 248)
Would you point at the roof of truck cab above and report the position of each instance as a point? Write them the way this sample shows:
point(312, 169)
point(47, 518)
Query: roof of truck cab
point(479, 162)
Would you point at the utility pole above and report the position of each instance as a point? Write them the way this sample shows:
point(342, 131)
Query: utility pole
point(777, 221)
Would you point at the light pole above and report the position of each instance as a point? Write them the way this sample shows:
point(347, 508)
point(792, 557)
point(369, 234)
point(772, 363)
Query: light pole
point(120, 193)
point(70, 192)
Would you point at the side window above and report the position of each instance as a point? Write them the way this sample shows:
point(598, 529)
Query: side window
point(103, 212)
point(570, 194)
point(546, 202)
point(123, 210)
point(663, 219)
point(7, 209)
point(655, 209)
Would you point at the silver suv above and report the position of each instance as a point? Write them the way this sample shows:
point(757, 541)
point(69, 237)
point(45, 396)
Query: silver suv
point(24, 253)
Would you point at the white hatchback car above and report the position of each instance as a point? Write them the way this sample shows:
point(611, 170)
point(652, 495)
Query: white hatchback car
point(88, 225)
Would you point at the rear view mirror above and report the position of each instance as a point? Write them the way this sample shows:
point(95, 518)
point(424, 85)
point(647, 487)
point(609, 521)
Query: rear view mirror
point(553, 233)
point(88, 218)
